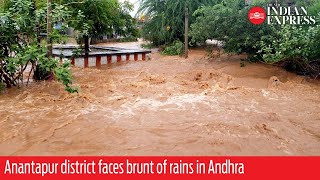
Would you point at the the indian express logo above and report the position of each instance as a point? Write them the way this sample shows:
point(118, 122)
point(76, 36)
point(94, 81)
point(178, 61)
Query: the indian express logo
point(281, 15)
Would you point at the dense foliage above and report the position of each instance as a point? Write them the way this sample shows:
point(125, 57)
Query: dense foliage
point(228, 22)
point(22, 22)
point(20, 46)
point(165, 22)
point(103, 17)
point(126, 25)
point(176, 48)
point(293, 46)
point(297, 48)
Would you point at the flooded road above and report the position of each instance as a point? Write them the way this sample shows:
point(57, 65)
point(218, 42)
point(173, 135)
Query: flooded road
point(166, 106)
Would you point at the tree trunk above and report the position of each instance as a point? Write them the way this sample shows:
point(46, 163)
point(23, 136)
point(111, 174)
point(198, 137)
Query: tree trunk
point(86, 45)
point(49, 29)
point(186, 24)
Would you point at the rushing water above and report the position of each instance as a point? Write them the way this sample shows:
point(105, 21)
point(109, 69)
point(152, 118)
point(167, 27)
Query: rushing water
point(166, 106)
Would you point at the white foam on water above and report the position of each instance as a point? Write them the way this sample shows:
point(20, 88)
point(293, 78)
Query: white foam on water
point(179, 102)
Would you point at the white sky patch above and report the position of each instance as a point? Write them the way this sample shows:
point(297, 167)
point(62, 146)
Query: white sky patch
point(136, 6)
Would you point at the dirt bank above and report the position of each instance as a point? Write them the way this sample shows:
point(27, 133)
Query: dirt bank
point(166, 106)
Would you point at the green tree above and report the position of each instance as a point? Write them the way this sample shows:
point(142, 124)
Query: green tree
point(126, 25)
point(297, 47)
point(102, 17)
point(228, 22)
point(166, 22)
point(20, 47)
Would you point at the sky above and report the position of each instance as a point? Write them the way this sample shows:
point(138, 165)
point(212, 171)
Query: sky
point(136, 6)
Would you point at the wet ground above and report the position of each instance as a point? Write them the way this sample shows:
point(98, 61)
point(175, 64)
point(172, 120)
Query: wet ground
point(166, 106)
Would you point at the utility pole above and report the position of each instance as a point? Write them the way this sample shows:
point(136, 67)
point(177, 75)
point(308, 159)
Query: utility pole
point(186, 29)
point(49, 29)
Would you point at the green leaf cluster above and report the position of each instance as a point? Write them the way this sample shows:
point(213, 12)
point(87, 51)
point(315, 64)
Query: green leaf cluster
point(227, 21)
point(165, 18)
point(176, 48)
point(20, 45)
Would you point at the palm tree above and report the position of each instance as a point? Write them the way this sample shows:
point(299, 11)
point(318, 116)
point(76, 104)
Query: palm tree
point(166, 22)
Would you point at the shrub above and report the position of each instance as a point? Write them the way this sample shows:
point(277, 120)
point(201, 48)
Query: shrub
point(148, 46)
point(228, 22)
point(297, 48)
point(19, 46)
point(63, 74)
point(176, 48)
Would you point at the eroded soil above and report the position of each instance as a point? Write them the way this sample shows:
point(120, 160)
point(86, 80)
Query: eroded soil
point(166, 106)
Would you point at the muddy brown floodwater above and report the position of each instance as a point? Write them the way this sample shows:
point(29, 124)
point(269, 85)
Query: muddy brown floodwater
point(166, 106)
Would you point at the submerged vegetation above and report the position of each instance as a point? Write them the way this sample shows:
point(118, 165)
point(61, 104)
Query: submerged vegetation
point(23, 21)
point(21, 46)
point(295, 47)
point(176, 48)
